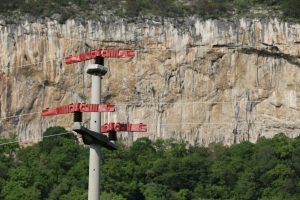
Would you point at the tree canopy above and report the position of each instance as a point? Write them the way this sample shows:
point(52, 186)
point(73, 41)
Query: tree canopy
point(57, 168)
point(65, 9)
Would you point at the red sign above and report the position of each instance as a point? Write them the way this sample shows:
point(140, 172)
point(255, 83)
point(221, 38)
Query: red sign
point(106, 53)
point(123, 127)
point(78, 107)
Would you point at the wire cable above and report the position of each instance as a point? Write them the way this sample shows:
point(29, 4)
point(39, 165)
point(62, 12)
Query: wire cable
point(13, 142)
point(88, 38)
point(137, 50)
point(216, 123)
point(47, 136)
point(155, 104)
point(163, 124)
point(54, 59)
point(14, 116)
point(31, 64)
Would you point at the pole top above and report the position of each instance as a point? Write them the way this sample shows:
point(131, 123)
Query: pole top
point(97, 69)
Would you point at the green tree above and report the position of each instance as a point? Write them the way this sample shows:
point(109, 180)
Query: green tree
point(111, 196)
point(154, 191)
point(291, 8)
point(57, 168)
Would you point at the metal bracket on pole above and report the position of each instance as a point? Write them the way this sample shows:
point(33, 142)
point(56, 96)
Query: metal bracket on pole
point(112, 128)
point(91, 137)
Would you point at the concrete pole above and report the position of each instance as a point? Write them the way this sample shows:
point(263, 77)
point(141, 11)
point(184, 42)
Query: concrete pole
point(94, 164)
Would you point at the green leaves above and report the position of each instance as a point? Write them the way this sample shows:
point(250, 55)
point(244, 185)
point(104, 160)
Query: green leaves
point(57, 168)
point(154, 191)
point(291, 8)
point(48, 170)
point(62, 10)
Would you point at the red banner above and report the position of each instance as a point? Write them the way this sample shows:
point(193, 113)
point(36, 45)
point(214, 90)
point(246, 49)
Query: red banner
point(106, 53)
point(123, 127)
point(78, 107)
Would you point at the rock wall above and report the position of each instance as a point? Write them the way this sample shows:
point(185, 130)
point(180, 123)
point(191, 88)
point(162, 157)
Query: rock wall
point(199, 81)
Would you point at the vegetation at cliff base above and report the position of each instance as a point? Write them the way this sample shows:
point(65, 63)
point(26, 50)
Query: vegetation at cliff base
point(65, 9)
point(57, 168)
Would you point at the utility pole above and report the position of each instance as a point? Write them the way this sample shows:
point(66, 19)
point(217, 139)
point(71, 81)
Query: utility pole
point(93, 136)
point(95, 123)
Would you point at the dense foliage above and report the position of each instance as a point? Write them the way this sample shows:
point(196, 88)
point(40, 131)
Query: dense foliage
point(288, 9)
point(57, 168)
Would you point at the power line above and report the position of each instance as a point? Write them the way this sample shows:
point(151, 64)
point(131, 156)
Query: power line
point(13, 142)
point(31, 64)
point(152, 124)
point(138, 50)
point(187, 102)
point(192, 102)
point(155, 104)
point(88, 38)
point(216, 123)
point(47, 136)
point(14, 116)
point(141, 50)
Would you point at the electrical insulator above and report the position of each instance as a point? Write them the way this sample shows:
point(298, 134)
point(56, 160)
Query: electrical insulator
point(77, 116)
point(112, 136)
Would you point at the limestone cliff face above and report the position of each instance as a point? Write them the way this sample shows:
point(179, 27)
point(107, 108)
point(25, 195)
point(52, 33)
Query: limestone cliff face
point(200, 81)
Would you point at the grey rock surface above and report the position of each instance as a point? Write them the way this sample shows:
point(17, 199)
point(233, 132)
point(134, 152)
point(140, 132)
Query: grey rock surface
point(199, 81)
